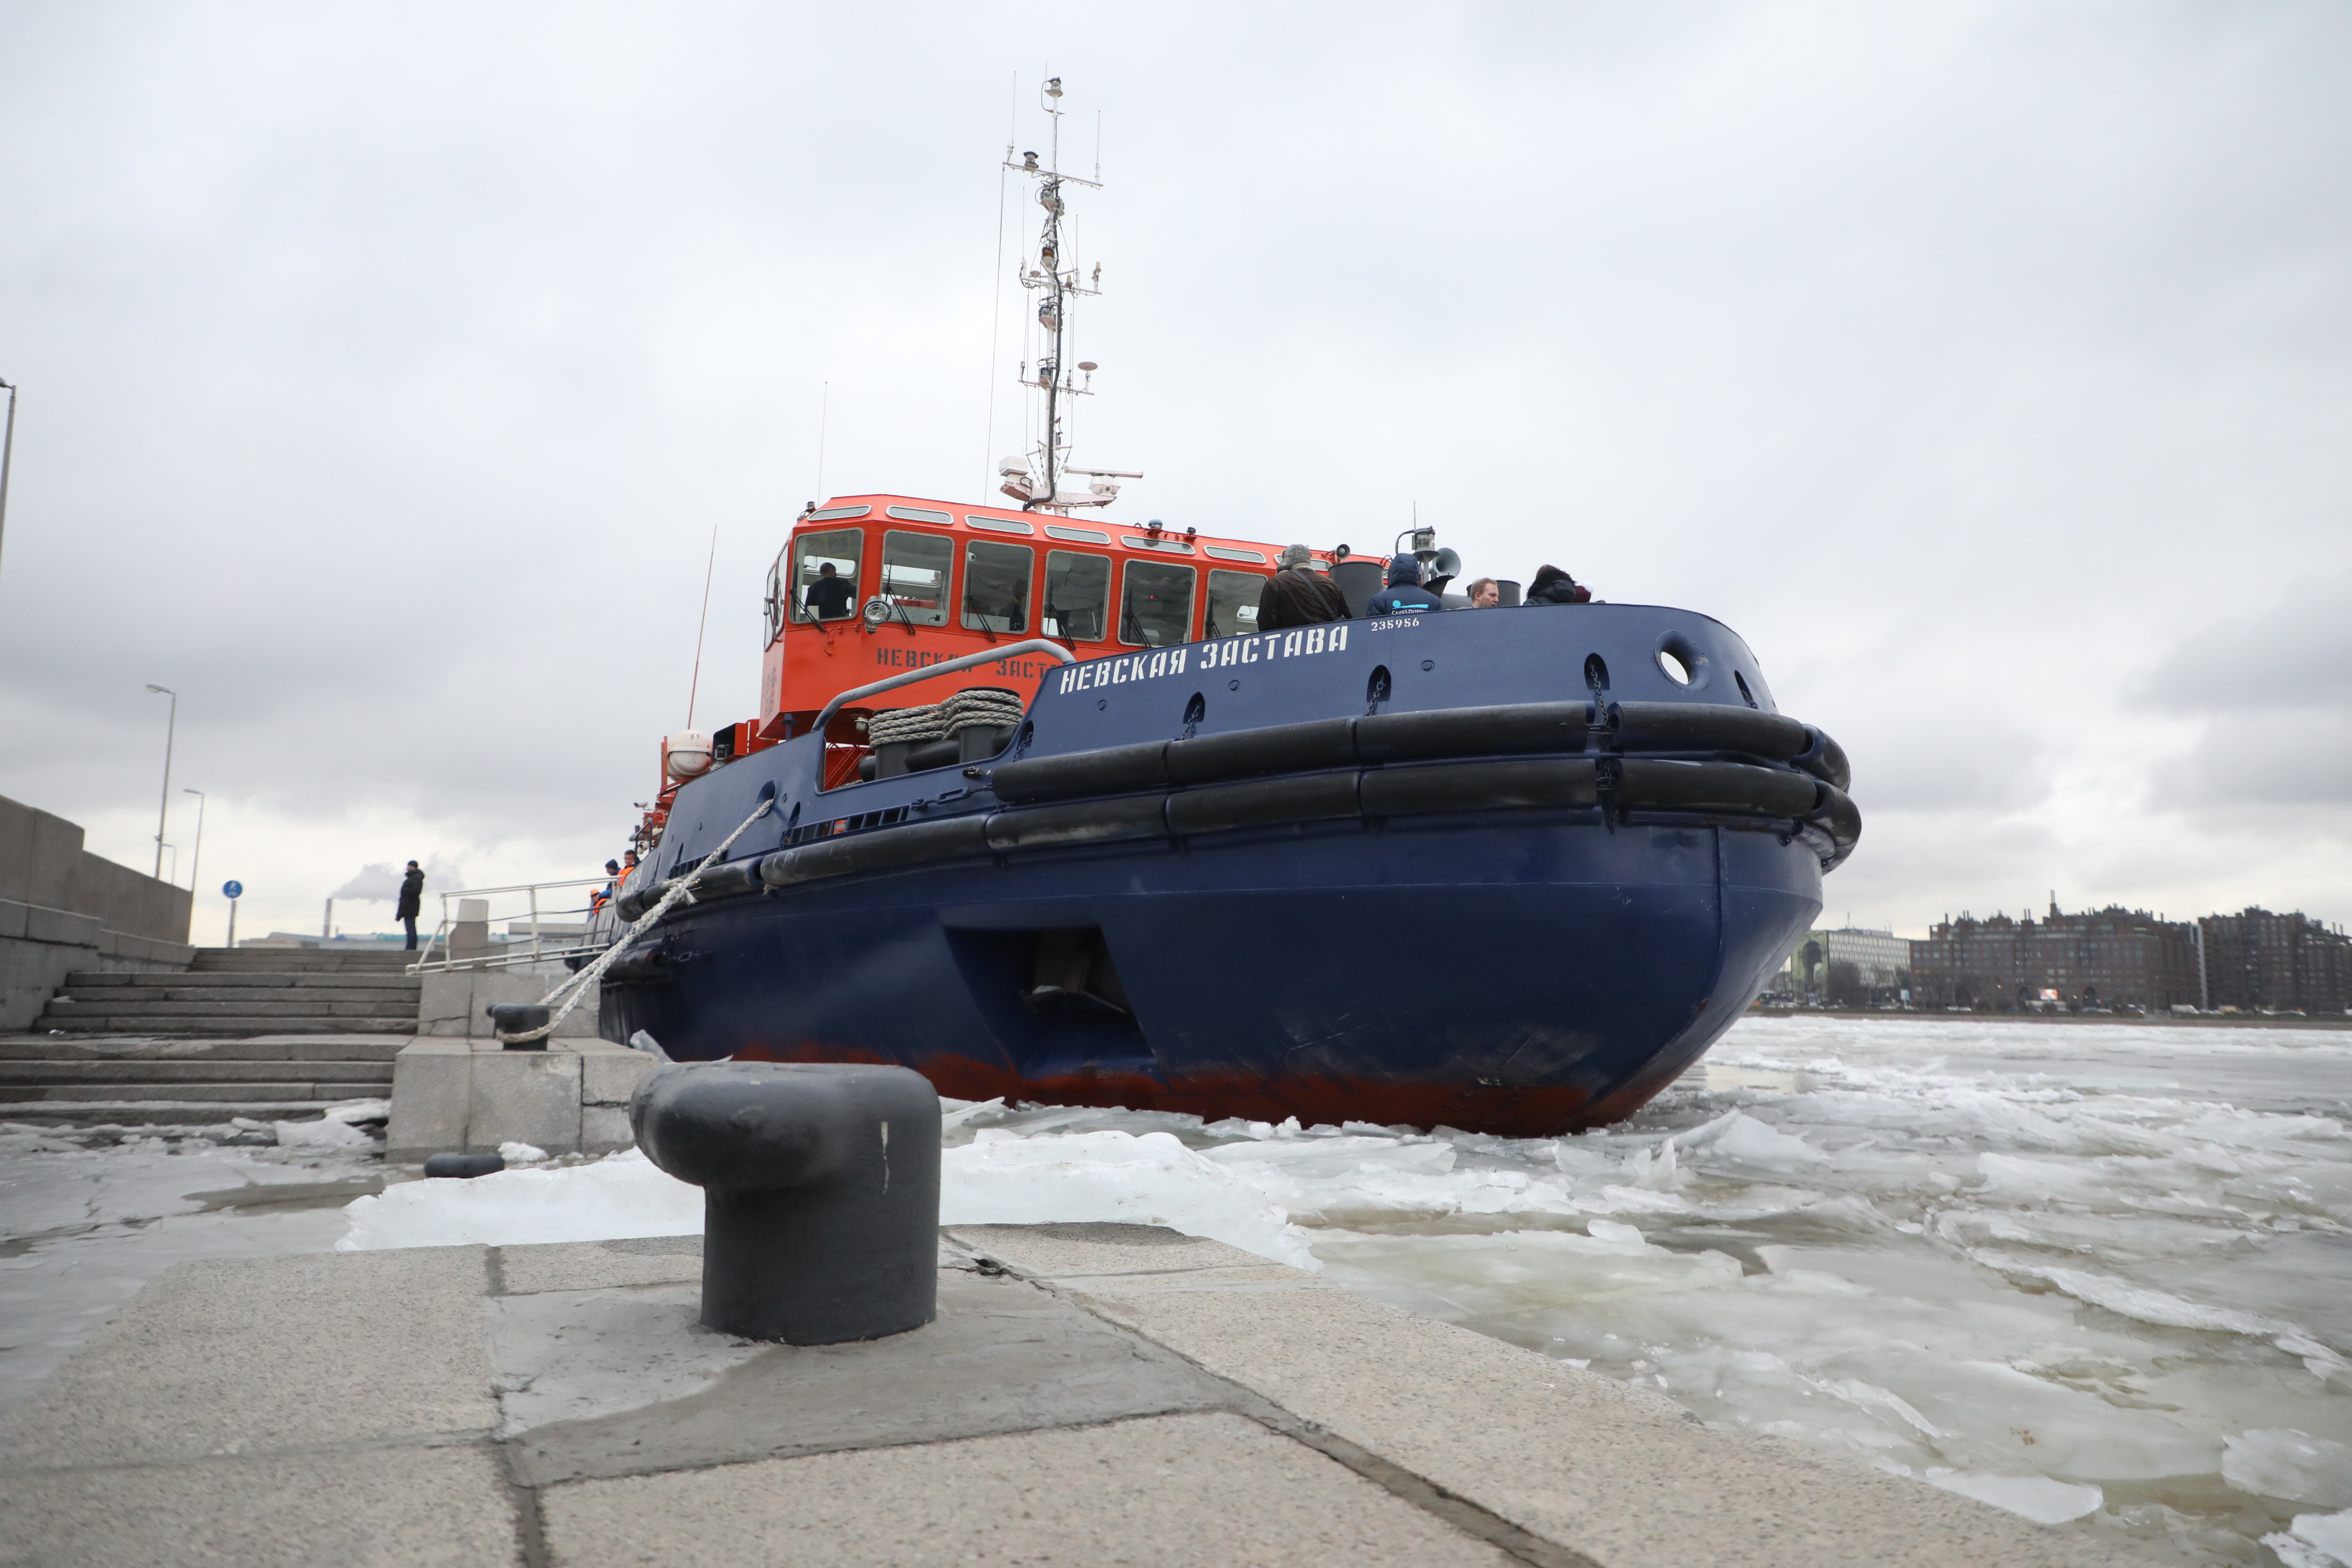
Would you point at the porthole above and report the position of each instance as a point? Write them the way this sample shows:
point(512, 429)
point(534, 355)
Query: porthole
point(1681, 661)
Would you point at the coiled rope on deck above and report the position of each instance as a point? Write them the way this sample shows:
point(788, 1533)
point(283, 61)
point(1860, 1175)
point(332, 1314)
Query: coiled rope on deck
point(579, 983)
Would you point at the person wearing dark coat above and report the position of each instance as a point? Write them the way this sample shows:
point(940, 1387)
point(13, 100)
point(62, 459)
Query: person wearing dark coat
point(412, 901)
point(1297, 594)
point(1404, 594)
point(828, 598)
point(1554, 586)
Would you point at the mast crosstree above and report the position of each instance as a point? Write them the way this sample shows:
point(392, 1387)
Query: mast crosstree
point(1054, 277)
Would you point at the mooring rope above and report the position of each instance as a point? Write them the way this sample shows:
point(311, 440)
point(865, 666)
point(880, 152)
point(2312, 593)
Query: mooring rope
point(579, 983)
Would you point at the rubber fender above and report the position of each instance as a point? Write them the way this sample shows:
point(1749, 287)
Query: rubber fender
point(640, 967)
point(881, 849)
point(1707, 727)
point(732, 879)
point(1112, 770)
point(1649, 782)
point(1079, 822)
point(1826, 760)
point(1837, 813)
point(1563, 781)
point(1472, 731)
point(1253, 754)
point(1261, 802)
point(631, 905)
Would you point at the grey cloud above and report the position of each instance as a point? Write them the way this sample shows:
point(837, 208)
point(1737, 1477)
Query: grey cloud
point(2293, 653)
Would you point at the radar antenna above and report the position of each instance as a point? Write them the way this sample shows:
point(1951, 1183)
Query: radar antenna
point(1054, 276)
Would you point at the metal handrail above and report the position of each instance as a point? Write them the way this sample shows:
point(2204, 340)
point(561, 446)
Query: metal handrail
point(521, 888)
point(945, 667)
point(539, 951)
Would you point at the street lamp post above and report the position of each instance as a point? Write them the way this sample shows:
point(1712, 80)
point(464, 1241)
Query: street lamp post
point(171, 727)
point(196, 860)
point(8, 455)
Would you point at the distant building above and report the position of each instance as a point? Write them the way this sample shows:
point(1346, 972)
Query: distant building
point(2104, 958)
point(1847, 967)
point(2259, 961)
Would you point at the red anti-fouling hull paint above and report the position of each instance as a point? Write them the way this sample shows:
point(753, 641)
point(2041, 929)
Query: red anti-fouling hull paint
point(1522, 1112)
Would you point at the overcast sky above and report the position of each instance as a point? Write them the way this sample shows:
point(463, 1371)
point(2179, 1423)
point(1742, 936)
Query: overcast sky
point(386, 370)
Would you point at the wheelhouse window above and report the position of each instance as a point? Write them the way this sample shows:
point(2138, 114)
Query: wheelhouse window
point(914, 569)
point(996, 586)
point(1077, 595)
point(824, 578)
point(1232, 602)
point(1155, 610)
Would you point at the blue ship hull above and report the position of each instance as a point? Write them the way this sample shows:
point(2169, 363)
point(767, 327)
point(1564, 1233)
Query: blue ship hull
point(1523, 969)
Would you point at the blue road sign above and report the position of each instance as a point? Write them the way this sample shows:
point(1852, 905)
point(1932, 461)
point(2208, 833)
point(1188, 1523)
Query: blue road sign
point(232, 889)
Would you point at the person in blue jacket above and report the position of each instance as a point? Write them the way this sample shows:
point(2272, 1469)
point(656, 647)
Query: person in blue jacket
point(1404, 594)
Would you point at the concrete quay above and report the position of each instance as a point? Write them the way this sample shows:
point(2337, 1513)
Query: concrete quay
point(1090, 1393)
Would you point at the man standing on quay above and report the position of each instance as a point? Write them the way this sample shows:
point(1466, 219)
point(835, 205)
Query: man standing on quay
point(412, 901)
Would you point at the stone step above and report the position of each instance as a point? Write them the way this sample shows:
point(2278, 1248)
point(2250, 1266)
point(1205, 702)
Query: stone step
point(12, 1095)
point(62, 1008)
point(241, 982)
point(22, 1074)
point(227, 1024)
point(73, 1048)
point(270, 996)
point(290, 960)
point(160, 1112)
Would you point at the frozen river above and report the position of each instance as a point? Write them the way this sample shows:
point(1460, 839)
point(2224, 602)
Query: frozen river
point(2098, 1273)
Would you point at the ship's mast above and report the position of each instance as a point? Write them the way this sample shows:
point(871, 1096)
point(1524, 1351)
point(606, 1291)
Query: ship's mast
point(1053, 276)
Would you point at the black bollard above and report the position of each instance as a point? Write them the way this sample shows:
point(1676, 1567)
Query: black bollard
point(519, 1018)
point(464, 1166)
point(820, 1192)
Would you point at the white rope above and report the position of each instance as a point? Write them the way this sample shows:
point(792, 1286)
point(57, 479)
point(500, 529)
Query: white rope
point(579, 983)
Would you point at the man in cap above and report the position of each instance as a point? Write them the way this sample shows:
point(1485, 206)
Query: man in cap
point(1297, 594)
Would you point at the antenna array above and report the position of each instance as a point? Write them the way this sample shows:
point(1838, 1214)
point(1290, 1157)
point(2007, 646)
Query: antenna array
point(1052, 274)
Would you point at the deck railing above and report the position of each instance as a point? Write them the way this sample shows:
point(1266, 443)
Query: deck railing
point(540, 904)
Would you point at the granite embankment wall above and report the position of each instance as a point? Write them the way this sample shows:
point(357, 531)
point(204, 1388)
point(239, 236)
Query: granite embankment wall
point(64, 908)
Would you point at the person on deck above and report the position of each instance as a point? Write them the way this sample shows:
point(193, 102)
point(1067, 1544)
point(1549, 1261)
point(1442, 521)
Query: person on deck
point(1404, 596)
point(829, 595)
point(1484, 595)
point(412, 901)
point(1554, 586)
point(1297, 594)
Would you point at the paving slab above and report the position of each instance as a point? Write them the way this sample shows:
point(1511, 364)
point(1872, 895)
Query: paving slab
point(591, 1265)
point(1088, 1394)
point(1180, 1491)
point(1102, 1249)
point(1620, 1476)
point(1002, 1356)
point(399, 1508)
point(255, 1354)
